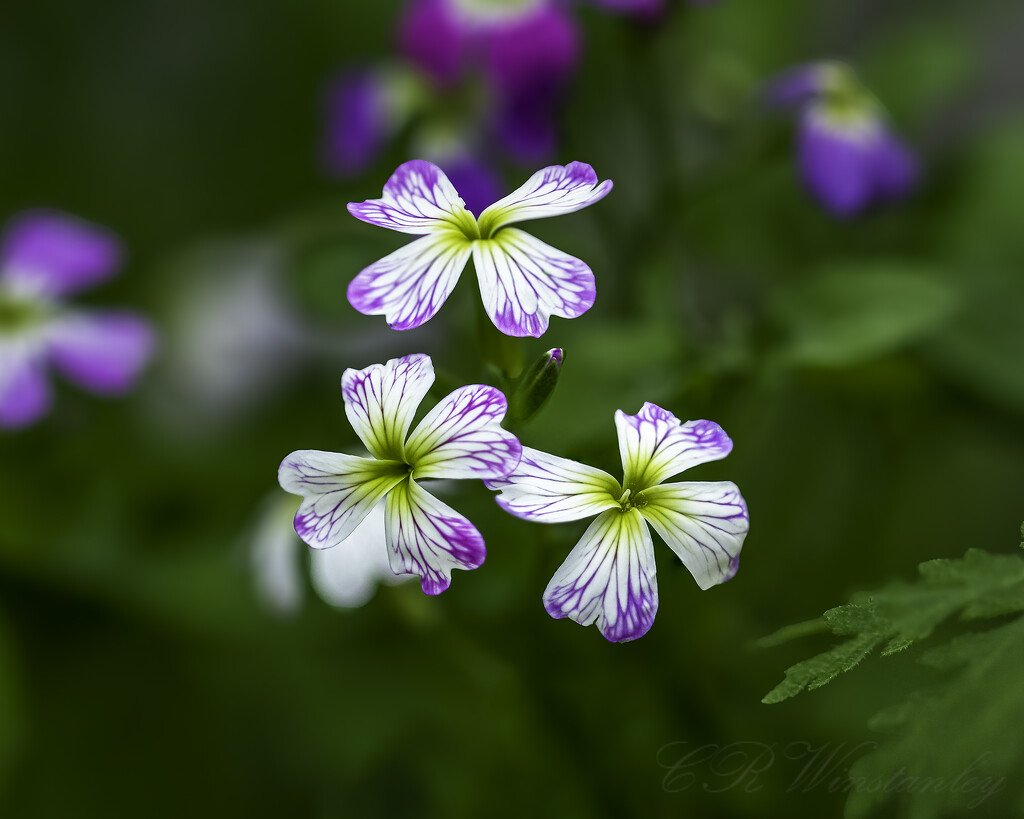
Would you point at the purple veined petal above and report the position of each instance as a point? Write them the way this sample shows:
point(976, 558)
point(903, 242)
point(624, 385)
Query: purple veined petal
point(547, 489)
point(894, 168)
point(553, 191)
point(655, 445)
point(609, 578)
point(25, 394)
point(348, 575)
point(103, 352)
point(52, 253)
point(428, 538)
point(381, 400)
point(356, 122)
point(703, 523)
point(523, 282)
point(409, 286)
point(430, 37)
point(462, 437)
point(417, 199)
point(337, 491)
point(835, 161)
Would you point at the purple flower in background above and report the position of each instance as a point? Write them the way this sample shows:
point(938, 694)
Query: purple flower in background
point(610, 577)
point(44, 257)
point(459, 438)
point(523, 281)
point(525, 50)
point(848, 158)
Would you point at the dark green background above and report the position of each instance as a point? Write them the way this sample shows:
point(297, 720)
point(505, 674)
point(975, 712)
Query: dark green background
point(870, 374)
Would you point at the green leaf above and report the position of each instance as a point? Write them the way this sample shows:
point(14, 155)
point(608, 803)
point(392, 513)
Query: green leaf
point(847, 315)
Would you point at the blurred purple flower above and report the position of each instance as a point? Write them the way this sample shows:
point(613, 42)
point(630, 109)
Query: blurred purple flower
point(356, 127)
point(45, 256)
point(848, 158)
point(850, 164)
point(526, 52)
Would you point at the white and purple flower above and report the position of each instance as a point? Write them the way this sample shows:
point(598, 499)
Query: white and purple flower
point(459, 438)
point(848, 157)
point(610, 578)
point(523, 281)
point(44, 257)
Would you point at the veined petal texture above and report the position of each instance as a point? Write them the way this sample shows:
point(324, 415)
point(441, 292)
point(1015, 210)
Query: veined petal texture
point(462, 437)
point(337, 491)
point(547, 489)
point(409, 286)
point(348, 575)
point(524, 281)
point(428, 538)
point(656, 445)
point(418, 199)
point(552, 191)
point(609, 578)
point(704, 523)
point(381, 400)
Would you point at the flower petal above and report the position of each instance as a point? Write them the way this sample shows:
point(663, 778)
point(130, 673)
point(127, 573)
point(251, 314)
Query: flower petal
point(418, 199)
point(894, 168)
point(103, 352)
point(524, 281)
point(53, 253)
point(274, 556)
point(357, 122)
point(656, 445)
point(548, 489)
point(24, 388)
point(409, 286)
point(462, 437)
point(609, 578)
point(337, 491)
point(381, 400)
point(835, 161)
point(703, 523)
point(551, 191)
point(348, 575)
point(428, 538)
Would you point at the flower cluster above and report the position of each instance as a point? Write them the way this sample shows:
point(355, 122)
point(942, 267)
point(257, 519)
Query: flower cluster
point(46, 256)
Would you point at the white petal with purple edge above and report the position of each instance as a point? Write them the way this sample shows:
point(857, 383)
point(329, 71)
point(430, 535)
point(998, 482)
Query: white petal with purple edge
point(551, 191)
point(25, 394)
point(347, 576)
point(381, 400)
point(337, 491)
point(103, 352)
point(418, 199)
point(704, 523)
point(409, 286)
point(462, 437)
point(609, 578)
point(428, 538)
point(524, 281)
point(547, 489)
point(656, 445)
